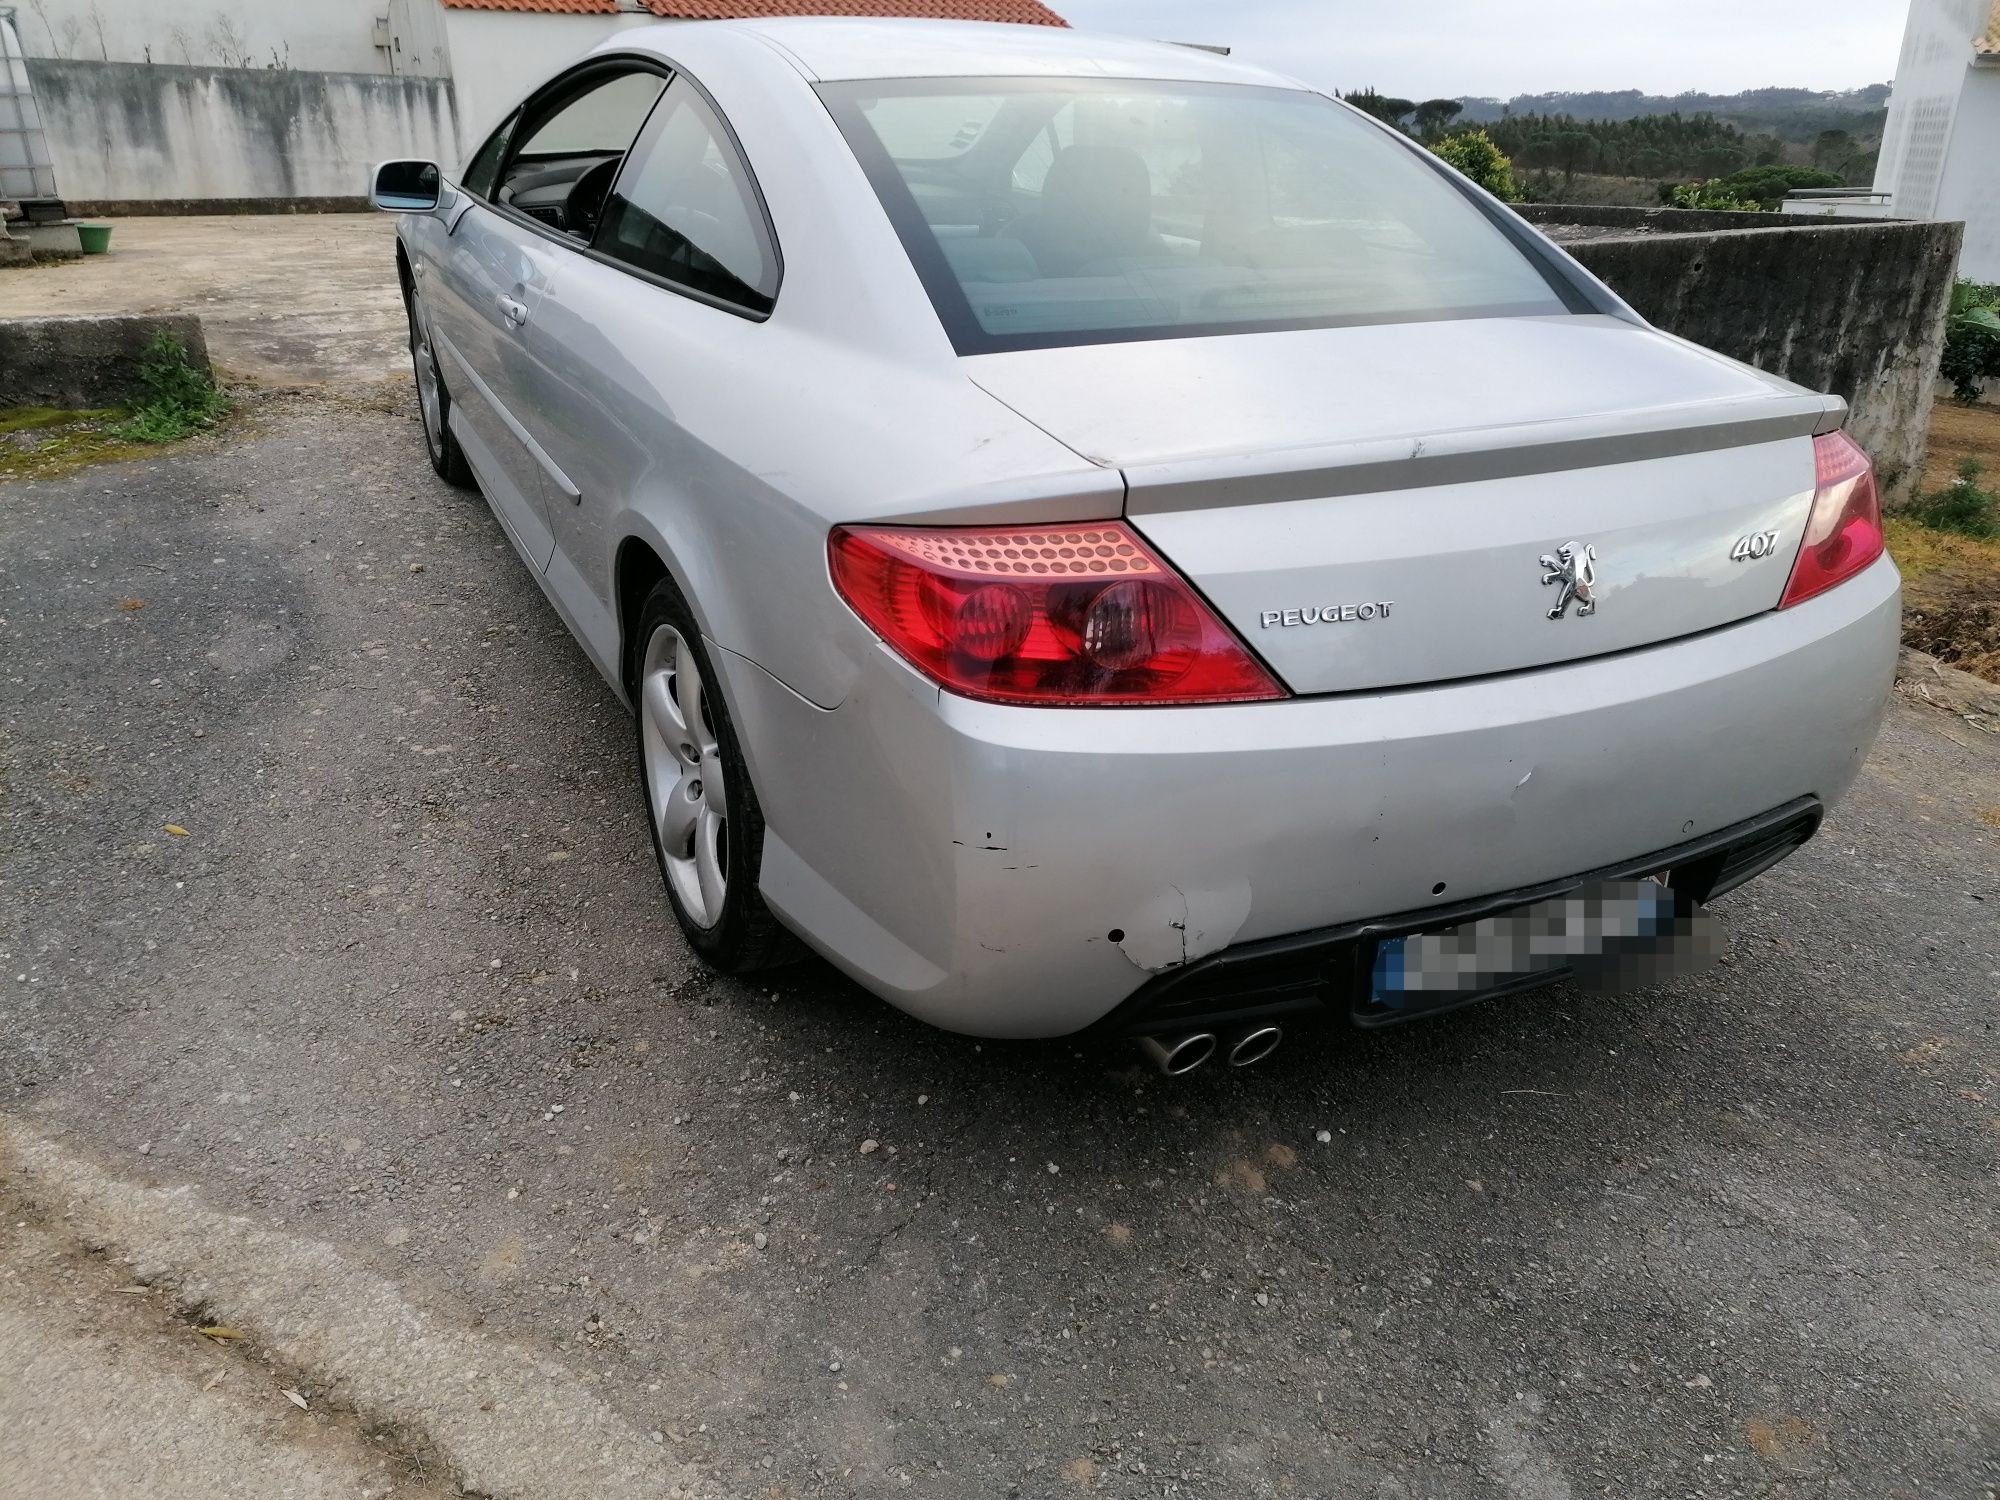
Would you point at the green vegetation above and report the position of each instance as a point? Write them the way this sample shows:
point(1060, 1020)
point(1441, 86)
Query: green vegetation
point(1633, 148)
point(1474, 154)
point(179, 399)
point(36, 418)
point(1836, 128)
point(37, 442)
point(1710, 195)
point(1972, 339)
point(1964, 507)
point(1757, 188)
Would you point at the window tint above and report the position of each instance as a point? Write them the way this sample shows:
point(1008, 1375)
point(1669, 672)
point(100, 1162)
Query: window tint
point(601, 120)
point(1089, 210)
point(685, 208)
point(564, 147)
point(482, 173)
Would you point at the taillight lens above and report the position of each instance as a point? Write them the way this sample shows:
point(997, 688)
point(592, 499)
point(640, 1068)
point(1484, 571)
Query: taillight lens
point(1844, 531)
point(1072, 615)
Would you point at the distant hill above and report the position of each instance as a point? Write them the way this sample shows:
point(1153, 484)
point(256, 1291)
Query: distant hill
point(1791, 114)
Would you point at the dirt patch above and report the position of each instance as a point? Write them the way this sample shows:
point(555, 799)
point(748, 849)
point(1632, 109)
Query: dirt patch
point(1955, 616)
point(1959, 432)
point(1951, 584)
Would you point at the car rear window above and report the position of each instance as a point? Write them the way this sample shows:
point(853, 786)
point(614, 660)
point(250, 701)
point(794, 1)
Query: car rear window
point(1042, 212)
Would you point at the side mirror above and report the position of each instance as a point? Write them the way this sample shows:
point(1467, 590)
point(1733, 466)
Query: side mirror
point(405, 187)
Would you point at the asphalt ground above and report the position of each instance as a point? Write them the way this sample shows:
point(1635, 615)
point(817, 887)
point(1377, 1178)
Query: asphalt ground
point(401, 1026)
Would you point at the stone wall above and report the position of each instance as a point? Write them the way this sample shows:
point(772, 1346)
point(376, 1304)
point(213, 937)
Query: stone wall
point(120, 132)
point(1855, 308)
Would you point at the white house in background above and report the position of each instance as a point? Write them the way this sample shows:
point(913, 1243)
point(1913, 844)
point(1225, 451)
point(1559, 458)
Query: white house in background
point(219, 100)
point(1941, 148)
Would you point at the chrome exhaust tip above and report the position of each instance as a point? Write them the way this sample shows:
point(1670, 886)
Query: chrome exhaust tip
point(1253, 1045)
point(1178, 1055)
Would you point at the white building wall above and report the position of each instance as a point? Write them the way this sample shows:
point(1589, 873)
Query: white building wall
point(498, 56)
point(333, 36)
point(1941, 147)
point(1969, 186)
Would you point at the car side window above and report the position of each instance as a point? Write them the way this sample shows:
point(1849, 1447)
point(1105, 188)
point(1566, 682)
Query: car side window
point(687, 210)
point(566, 145)
point(482, 173)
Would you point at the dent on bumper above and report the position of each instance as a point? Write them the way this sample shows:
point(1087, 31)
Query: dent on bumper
point(1020, 872)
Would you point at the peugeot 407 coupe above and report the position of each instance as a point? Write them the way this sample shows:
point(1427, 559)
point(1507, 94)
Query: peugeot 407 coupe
point(1097, 535)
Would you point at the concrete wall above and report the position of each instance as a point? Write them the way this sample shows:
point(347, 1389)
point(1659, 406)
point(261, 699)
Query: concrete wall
point(1855, 309)
point(122, 131)
point(86, 362)
point(332, 36)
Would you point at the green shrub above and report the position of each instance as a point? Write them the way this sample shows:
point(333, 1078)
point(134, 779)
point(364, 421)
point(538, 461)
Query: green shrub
point(1474, 154)
point(1758, 188)
point(1711, 195)
point(1766, 186)
point(178, 398)
point(1972, 339)
point(1964, 506)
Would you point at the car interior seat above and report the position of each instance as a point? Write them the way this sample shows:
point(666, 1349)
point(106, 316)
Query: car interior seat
point(1096, 206)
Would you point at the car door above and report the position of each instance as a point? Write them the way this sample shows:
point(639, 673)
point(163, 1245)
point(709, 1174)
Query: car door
point(633, 359)
point(503, 258)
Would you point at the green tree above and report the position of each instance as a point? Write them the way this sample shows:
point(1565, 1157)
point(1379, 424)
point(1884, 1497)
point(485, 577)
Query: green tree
point(1575, 151)
point(1834, 151)
point(1719, 161)
point(1474, 154)
point(1384, 107)
point(1434, 116)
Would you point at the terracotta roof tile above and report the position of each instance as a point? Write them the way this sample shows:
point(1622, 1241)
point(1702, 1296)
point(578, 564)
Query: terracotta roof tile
point(560, 7)
point(1026, 12)
point(1988, 43)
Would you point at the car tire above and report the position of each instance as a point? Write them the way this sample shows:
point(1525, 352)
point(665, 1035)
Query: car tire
point(433, 399)
point(709, 844)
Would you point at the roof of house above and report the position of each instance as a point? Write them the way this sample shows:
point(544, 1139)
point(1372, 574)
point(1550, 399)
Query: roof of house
point(1023, 12)
point(561, 7)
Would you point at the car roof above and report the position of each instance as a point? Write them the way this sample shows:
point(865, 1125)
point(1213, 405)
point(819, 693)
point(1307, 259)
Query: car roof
point(839, 48)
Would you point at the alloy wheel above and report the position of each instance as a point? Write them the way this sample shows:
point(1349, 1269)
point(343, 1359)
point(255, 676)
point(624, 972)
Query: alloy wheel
point(424, 358)
point(684, 776)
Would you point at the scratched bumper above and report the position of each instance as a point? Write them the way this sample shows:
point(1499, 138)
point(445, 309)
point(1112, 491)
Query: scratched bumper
point(1021, 872)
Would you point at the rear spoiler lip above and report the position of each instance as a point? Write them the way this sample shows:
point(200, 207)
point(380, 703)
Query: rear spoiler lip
point(1467, 456)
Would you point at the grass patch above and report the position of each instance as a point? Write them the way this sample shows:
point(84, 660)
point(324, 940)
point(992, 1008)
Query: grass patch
point(37, 443)
point(1919, 550)
point(178, 399)
point(1964, 507)
point(35, 418)
point(1951, 593)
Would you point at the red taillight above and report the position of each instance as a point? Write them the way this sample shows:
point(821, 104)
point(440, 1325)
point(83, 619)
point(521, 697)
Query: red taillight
point(1844, 531)
point(1084, 614)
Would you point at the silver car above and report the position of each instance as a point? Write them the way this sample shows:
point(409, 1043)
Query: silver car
point(1097, 535)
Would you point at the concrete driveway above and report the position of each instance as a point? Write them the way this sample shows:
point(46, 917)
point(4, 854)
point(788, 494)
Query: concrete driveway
point(393, 1062)
point(284, 299)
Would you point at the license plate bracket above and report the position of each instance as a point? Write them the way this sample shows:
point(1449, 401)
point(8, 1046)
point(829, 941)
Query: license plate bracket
point(1609, 935)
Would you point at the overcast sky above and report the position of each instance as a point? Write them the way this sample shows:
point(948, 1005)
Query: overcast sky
point(1421, 49)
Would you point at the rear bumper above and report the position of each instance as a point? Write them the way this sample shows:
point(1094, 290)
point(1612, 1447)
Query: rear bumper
point(1331, 969)
point(1020, 872)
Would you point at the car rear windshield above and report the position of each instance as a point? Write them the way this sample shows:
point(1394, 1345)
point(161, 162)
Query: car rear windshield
point(1042, 212)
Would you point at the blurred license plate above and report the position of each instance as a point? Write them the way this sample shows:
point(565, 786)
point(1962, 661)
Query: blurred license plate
point(1611, 936)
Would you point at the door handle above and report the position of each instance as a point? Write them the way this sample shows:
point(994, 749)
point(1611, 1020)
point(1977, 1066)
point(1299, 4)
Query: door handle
point(514, 312)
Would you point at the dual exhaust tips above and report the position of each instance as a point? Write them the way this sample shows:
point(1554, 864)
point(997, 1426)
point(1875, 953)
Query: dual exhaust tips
point(1178, 1054)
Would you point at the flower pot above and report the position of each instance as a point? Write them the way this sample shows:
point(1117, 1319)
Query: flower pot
point(96, 238)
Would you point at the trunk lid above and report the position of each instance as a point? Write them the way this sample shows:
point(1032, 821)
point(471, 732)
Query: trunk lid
point(1372, 507)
